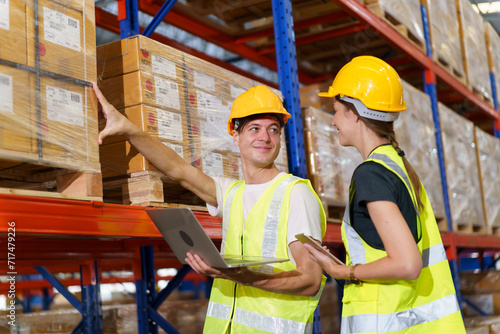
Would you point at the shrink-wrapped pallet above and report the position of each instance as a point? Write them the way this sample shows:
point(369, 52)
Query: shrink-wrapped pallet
point(472, 37)
point(330, 165)
point(416, 136)
point(445, 37)
point(488, 153)
point(402, 13)
point(462, 175)
point(493, 47)
point(179, 99)
point(48, 116)
point(309, 96)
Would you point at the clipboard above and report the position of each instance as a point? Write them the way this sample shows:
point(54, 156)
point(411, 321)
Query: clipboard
point(305, 239)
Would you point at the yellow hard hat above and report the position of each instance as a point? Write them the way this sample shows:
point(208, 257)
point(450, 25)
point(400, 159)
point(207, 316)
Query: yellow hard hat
point(373, 82)
point(256, 100)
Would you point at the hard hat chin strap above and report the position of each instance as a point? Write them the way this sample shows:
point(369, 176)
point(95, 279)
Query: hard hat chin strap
point(377, 115)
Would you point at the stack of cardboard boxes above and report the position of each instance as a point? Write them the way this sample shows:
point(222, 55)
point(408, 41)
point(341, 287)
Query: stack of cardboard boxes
point(47, 59)
point(179, 99)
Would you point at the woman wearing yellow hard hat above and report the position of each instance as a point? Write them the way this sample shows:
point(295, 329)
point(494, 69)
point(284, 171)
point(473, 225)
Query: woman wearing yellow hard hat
point(398, 279)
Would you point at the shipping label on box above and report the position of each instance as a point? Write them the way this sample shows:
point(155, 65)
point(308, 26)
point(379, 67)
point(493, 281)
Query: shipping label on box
point(13, 40)
point(68, 124)
point(139, 53)
point(66, 38)
point(122, 158)
point(141, 87)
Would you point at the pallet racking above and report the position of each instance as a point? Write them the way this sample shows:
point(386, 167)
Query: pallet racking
point(53, 235)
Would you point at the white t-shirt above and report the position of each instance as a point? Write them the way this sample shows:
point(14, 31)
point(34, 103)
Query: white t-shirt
point(304, 214)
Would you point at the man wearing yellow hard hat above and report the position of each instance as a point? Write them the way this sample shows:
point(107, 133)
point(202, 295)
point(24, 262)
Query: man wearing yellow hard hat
point(261, 216)
point(398, 276)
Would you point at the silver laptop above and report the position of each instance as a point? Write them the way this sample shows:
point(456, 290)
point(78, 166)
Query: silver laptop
point(184, 233)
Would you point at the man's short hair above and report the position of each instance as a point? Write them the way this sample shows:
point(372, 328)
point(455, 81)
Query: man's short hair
point(240, 123)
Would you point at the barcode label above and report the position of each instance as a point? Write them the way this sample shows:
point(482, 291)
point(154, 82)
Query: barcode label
point(61, 29)
point(5, 14)
point(6, 93)
point(72, 23)
point(75, 97)
point(4, 81)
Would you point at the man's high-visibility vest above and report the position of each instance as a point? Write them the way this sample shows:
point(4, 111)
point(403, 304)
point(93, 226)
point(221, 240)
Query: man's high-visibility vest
point(235, 308)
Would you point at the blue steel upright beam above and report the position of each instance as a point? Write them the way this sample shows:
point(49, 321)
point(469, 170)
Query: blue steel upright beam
point(165, 8)
point(496, 124)
point(128, 15)
point(147, 300)
point(431, 90)
point(90, 307)
point(286, 59)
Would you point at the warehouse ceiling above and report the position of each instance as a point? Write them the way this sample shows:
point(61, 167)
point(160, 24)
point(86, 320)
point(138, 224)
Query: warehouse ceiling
point(490, 10)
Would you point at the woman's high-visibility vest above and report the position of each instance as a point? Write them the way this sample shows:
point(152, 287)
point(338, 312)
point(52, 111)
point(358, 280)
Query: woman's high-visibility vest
point(425, 305)
point(235, 308)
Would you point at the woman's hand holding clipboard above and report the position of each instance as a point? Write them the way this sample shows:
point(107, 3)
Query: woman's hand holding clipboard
point(305, 239)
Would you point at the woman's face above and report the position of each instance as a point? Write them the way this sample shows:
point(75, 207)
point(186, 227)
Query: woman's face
point(344, 120)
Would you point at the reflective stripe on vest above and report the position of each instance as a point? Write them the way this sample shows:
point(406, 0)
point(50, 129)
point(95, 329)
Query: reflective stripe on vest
point(273, 217)
point(385, 323)
point(257, 321)
point(218, 310)
point(227, 210)
point(270, 324)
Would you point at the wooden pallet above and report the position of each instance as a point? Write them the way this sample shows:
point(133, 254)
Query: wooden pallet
point(149, 188)
point(28, 179)
point(481, 95)
point(374, 7)
point(458, 75)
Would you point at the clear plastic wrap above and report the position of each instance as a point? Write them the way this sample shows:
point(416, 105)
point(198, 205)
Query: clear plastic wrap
point(408, 13)
point(309, 96)
point(445, 37)
point(416, 136)
point(330, 165)
point(461, 169)
point(179, 99)
point(473, 47)
point(48, 115)
point(488, 149)
point(490, 322)
point(493, 46)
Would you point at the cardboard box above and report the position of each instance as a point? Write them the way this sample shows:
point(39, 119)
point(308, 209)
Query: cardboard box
point(309, 96)
point(121, 158)
point(139, 53)
point(160, 123)
point(15, 116)
point(13, 41)
point(66, 38)
point(217, 164)
point(142, 87)
point(67, 124)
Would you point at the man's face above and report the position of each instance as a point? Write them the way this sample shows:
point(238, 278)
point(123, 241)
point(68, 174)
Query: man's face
point(259, 141)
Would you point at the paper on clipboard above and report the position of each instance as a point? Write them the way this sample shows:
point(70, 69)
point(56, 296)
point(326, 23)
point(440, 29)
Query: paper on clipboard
point(305, 239)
